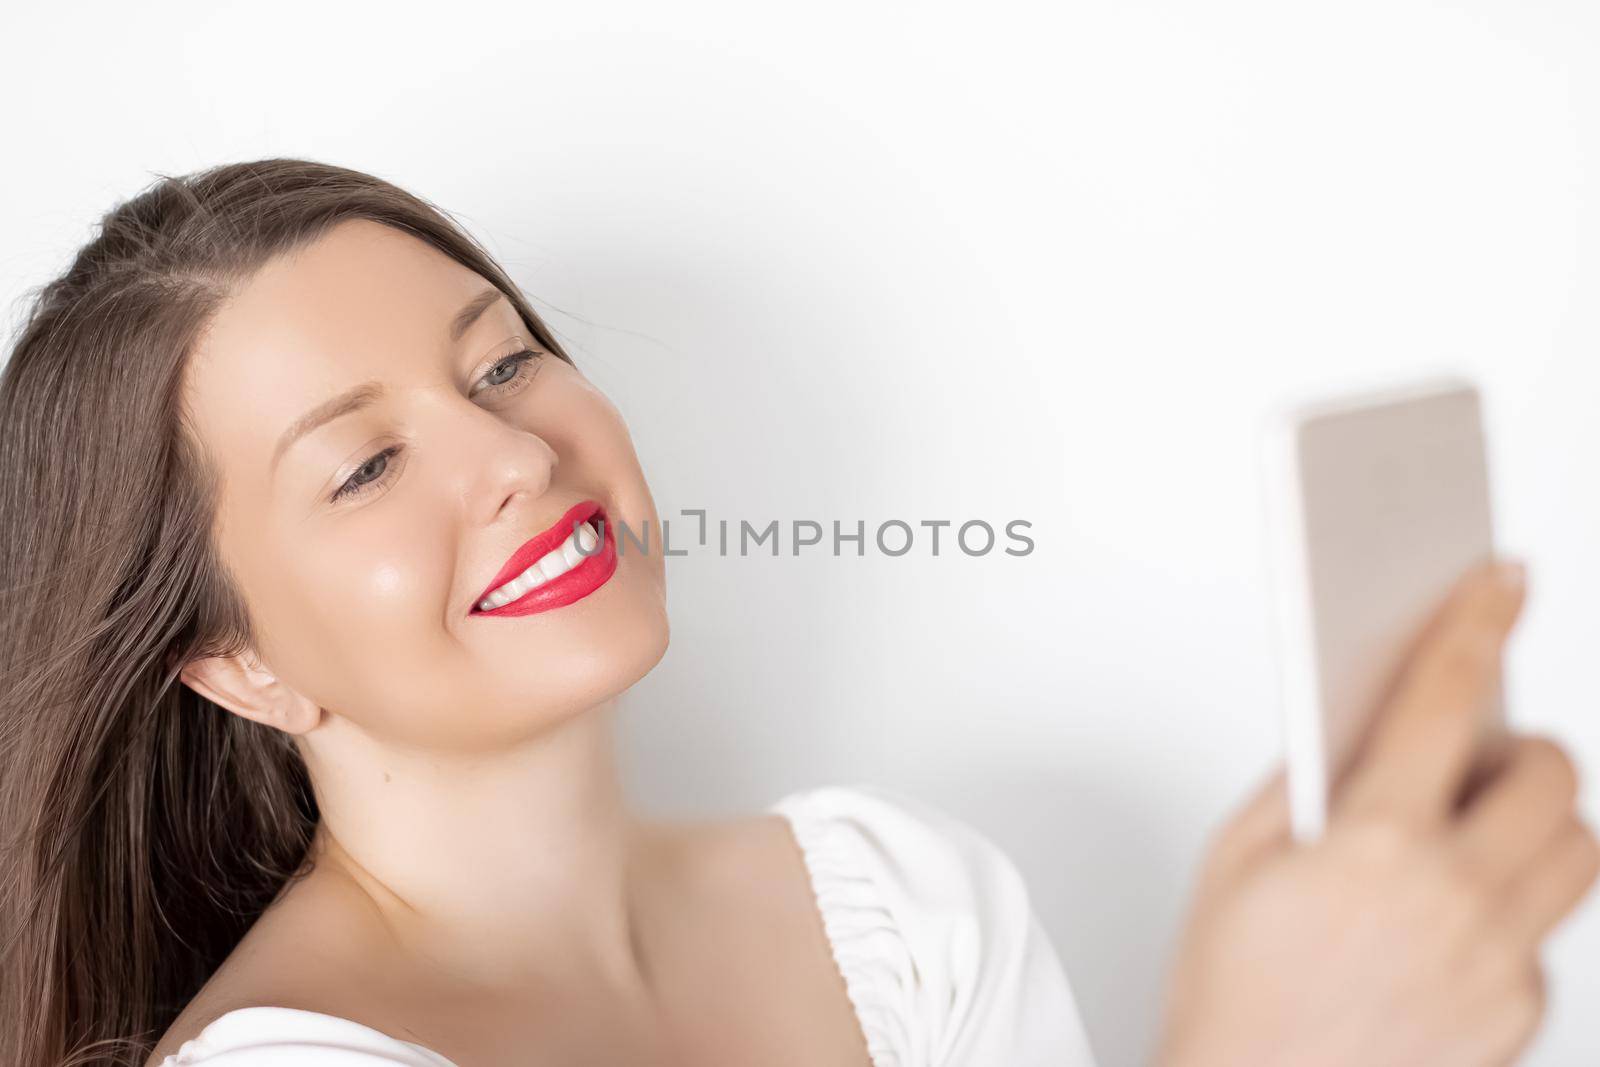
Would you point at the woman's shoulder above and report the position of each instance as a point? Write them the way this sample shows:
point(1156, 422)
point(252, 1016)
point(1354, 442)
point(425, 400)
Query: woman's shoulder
point(265, 1036)
point(934, 930)
point(314, 946)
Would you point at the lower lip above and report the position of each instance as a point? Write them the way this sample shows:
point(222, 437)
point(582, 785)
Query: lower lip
point(590, 574)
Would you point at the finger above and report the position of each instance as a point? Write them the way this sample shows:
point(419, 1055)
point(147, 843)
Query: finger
point(1553, 882)
point(1416, 754)
point(1259, 825)
point(1493, 756)
point(1517, 813)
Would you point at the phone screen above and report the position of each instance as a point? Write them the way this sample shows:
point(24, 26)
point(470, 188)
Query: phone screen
point(1377, 503)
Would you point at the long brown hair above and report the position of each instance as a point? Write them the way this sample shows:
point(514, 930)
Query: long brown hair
point(143, 828)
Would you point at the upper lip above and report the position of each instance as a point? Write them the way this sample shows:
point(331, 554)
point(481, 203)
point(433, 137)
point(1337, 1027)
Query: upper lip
point(538, 545)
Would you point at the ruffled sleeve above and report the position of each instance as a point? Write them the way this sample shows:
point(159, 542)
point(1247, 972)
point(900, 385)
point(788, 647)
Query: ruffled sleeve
point(292, 1037)
point(931, 926)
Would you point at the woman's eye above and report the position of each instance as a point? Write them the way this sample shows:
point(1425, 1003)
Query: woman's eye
point(513, 372)
point(360, 482)
point(509, 375)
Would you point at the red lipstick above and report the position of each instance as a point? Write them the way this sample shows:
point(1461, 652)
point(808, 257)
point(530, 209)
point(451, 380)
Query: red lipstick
point(592, 571)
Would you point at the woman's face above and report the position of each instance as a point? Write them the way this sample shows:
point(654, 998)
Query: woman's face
point(363, 546)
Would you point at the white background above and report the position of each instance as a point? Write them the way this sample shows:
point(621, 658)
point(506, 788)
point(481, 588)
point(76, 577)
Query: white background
point(911, 262)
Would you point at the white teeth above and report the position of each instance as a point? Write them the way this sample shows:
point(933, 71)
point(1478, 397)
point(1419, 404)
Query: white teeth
point(569, 552)
point(517, 586)
point(552, 564)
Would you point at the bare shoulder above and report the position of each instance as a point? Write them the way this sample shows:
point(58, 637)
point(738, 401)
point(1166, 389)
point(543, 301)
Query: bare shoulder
point(750, 942)
point(752, 854)
point(740, 884)
point(316, 944)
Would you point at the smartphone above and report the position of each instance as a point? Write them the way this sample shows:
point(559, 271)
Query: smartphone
point(1376, 503)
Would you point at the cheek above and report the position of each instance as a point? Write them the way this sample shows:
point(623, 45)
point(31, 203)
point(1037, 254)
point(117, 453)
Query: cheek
point(582, 426)
point(346, 614)
point(394, 570)
point(595, 450)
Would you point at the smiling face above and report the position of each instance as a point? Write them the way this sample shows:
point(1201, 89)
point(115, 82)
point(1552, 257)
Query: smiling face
point(363, 545)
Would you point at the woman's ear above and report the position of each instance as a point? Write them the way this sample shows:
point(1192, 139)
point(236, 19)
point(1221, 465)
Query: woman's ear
point(245, 687)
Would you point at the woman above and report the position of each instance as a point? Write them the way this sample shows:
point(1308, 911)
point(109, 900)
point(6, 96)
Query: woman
point(285, 435)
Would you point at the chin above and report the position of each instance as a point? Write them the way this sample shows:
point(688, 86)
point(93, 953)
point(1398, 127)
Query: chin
point(613, 649)
point(648, 634)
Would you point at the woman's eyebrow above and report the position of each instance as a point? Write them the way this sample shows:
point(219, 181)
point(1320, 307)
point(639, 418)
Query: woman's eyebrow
point(353, 399)
point(360, 396)
point(471, 312)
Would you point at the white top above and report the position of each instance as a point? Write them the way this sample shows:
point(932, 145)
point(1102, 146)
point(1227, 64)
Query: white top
point(942, 955)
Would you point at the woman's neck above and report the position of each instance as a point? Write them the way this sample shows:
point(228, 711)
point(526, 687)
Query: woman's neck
point(502, 868)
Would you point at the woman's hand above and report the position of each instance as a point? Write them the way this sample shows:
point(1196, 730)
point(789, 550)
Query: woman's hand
point(1409, 934)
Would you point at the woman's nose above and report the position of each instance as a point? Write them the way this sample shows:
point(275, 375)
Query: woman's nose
point(504, 463)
